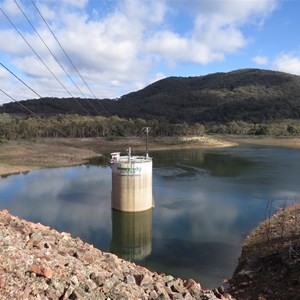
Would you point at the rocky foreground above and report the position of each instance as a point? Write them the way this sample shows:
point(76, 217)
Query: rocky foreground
point(37, 262)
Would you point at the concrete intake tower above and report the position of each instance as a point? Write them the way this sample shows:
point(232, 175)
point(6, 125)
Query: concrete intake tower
point(131, 182)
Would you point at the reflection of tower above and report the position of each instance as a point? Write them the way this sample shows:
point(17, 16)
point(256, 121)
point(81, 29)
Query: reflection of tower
point(131, 182)
point(131, 234)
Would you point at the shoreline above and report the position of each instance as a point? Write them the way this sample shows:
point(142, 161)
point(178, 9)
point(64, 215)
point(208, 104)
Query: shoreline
point(24, 156)
point(287, 142)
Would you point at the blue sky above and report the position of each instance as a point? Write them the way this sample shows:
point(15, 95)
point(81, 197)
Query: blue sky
point(119, 46)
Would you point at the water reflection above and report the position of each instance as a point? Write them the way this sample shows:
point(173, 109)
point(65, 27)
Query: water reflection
point(192, 161)
point(131, 234)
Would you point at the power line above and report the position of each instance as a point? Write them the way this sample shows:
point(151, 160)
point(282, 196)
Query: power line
point(68, 57)
point(96, 131)
point(33, 113)
point(44, 64)
point(20, 79)
point(43, 41)
point(38, 56)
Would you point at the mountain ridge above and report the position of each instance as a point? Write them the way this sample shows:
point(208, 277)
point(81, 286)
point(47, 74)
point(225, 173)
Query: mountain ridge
point(250, 95)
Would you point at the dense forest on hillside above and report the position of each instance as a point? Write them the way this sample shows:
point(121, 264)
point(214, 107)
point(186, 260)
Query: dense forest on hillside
point(248, 96)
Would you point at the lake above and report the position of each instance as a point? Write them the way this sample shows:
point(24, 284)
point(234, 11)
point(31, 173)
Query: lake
point(206, 203)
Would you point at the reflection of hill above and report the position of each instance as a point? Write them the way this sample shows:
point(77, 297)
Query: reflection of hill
point(189, 162)
point(131, 234)
point(225, 165)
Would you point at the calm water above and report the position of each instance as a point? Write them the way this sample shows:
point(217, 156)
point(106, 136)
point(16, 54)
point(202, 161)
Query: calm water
point(206, 202)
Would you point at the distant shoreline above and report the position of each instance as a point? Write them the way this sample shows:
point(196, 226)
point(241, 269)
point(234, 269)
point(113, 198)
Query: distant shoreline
point(24, 156)
point(288, 142)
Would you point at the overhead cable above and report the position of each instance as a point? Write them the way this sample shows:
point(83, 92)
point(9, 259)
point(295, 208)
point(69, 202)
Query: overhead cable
point(68, 57)
point(94, 129)
point(45, 64)
point(33, 113)
point(38, 56)
point(20, 80)
point(43, 41)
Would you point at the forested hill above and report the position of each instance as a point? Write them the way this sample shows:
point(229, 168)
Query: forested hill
point(250, 95)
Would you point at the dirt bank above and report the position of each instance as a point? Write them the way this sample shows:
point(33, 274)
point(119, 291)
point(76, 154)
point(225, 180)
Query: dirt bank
point(24, 156)
point(37, 262)
point(289, 142)
point(269, 266)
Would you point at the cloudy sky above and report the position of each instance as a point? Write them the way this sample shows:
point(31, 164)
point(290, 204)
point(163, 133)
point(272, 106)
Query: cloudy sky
point(119, 46)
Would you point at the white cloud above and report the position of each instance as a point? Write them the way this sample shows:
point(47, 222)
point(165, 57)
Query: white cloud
point(141, 12)
point(167, 44)
point(217, 30)
point(9, 7)
point(287, 62)
point(67, 3)
point(261, 60)
point(3, 73)
point(229, 11)
point(118, 51)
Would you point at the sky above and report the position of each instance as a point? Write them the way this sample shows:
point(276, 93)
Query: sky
point(108, 48)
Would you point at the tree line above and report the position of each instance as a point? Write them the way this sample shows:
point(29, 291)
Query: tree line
point(14, 127)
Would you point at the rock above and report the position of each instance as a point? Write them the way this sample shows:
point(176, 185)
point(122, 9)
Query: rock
point(153, 295)
point(193, 287)
point(130, 279)
point(217, 293)
point(41, 270)
point(147, 280)
point(178, 288)
point(2, 282)
point(227, 296)
point(74, 280)
point(138, 278)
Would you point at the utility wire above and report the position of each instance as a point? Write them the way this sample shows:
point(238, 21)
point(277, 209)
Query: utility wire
point(20, 79)
point(43, 41)
point(38, 56)
point(94, 129)
point(43, 64)
point(59, 64)
point(46, 65)
point(33, 113)
point(68, 57)
point(55, 58)
point(75, 68)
